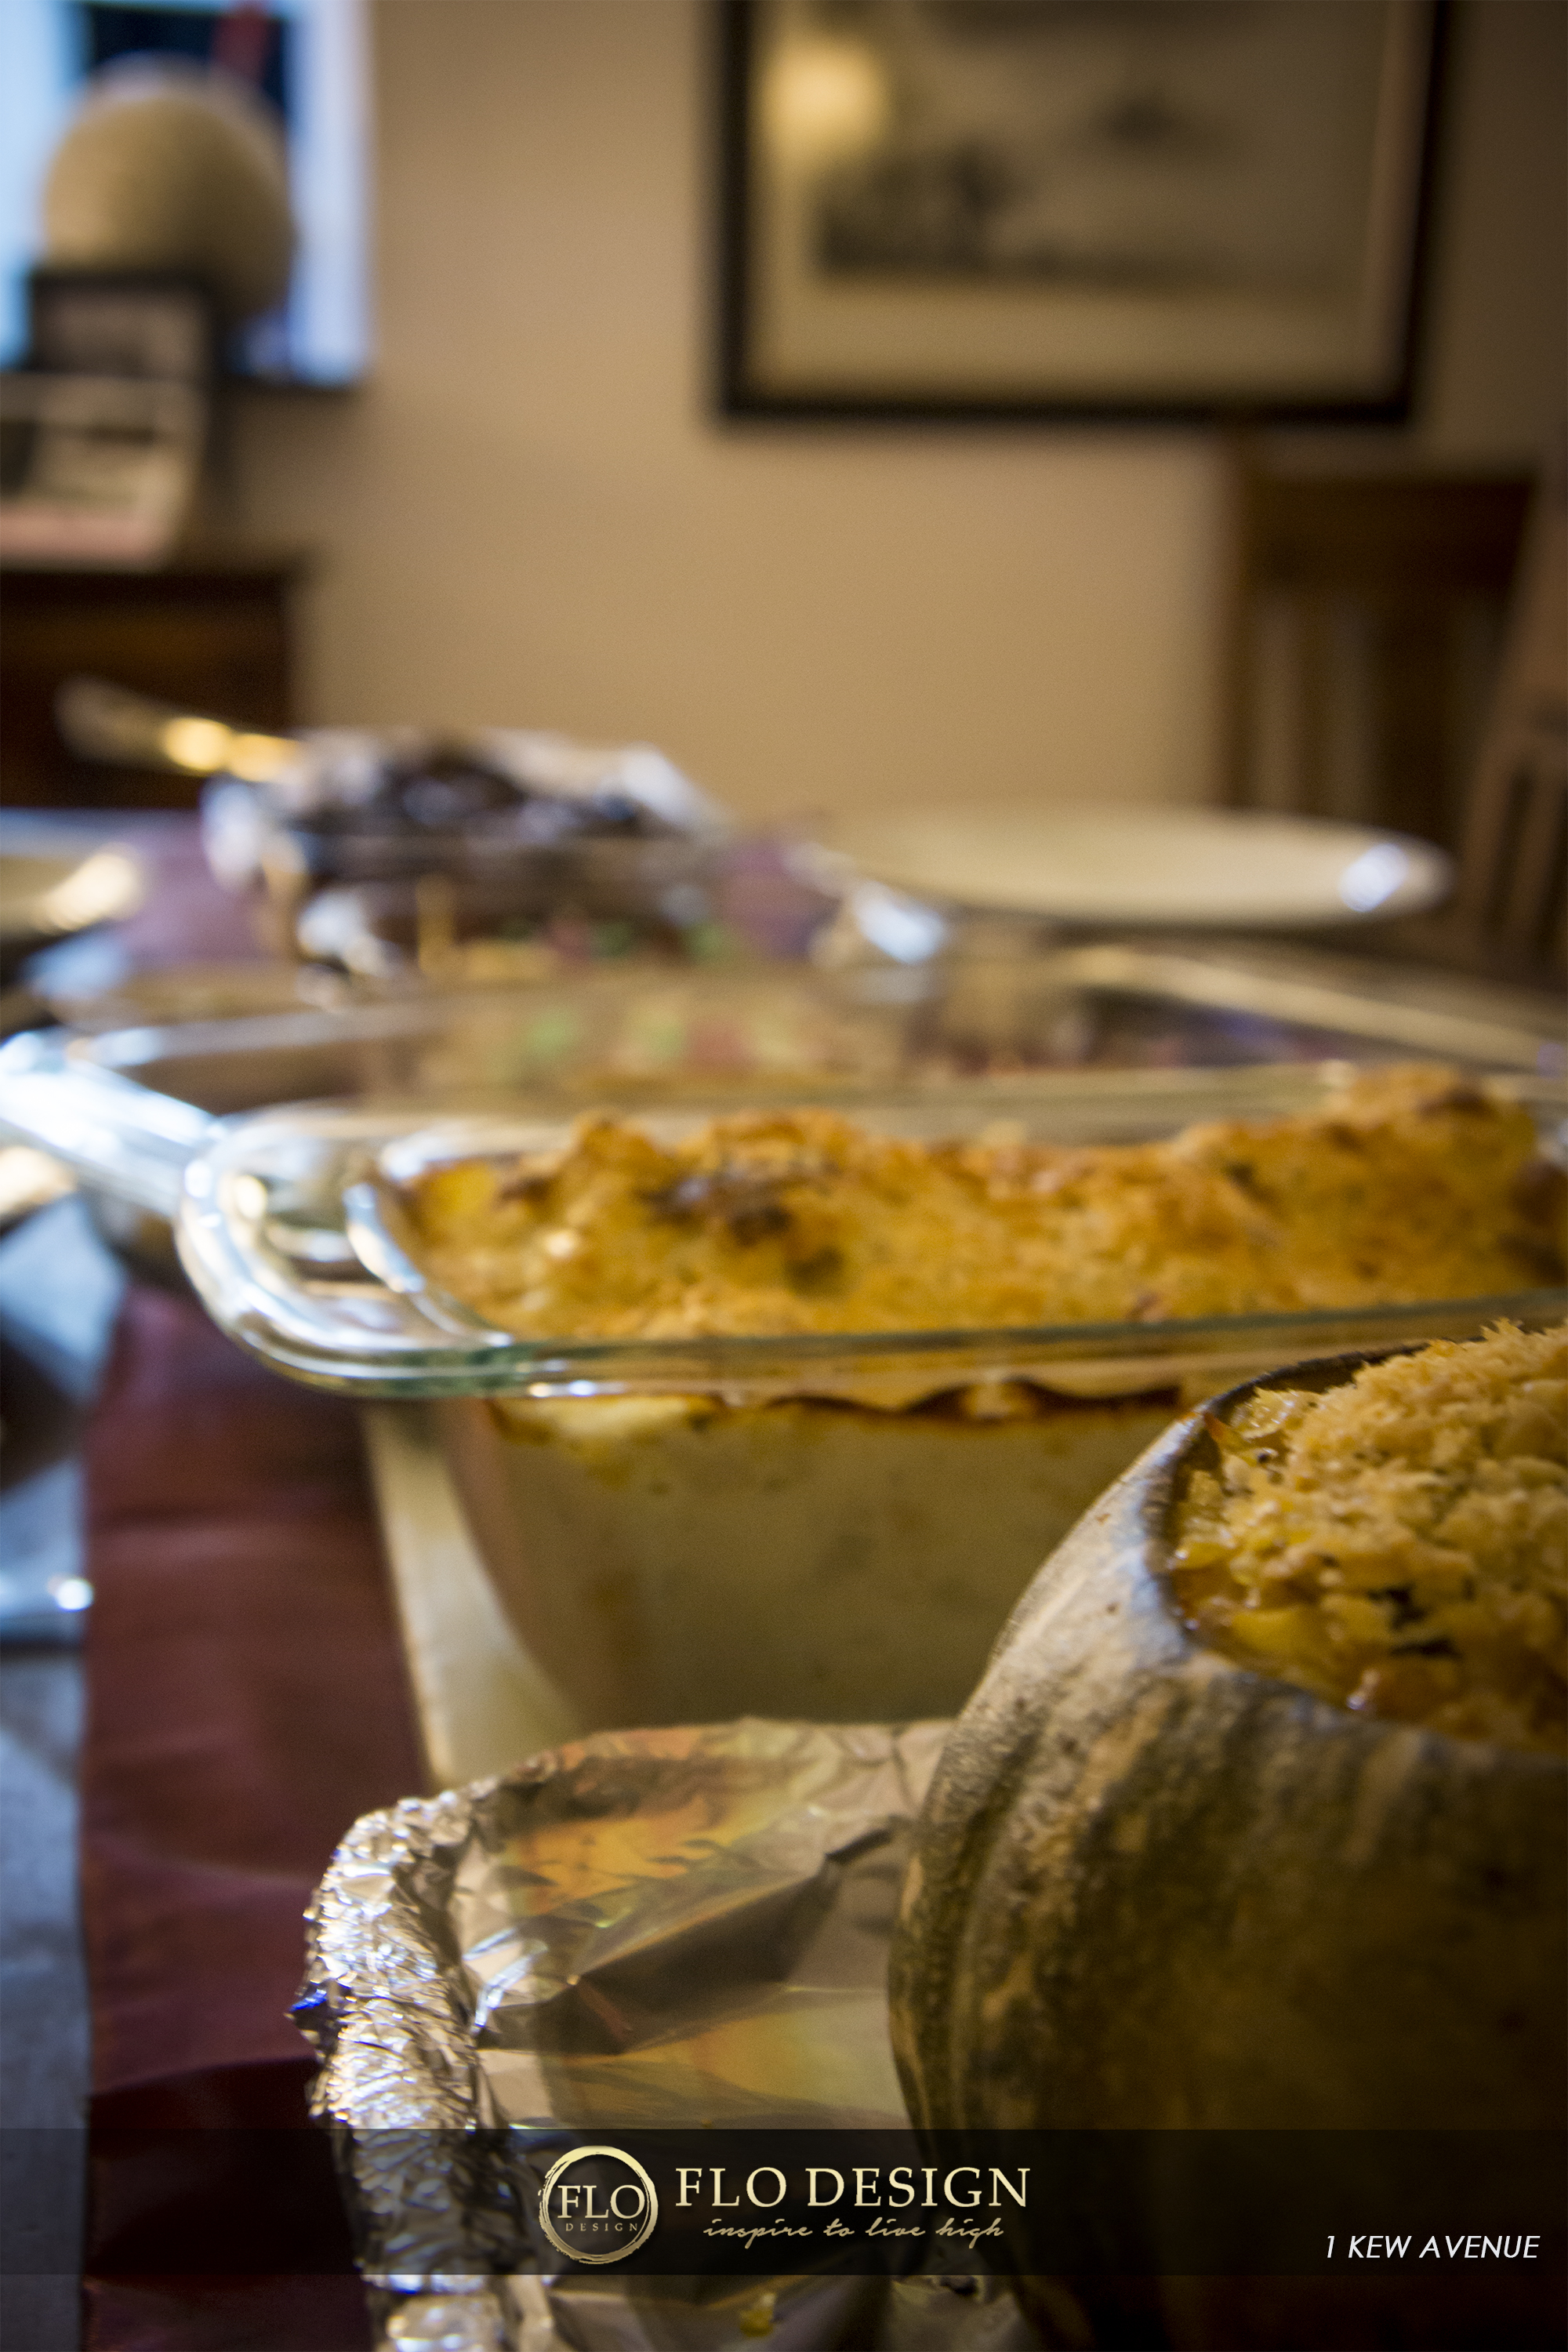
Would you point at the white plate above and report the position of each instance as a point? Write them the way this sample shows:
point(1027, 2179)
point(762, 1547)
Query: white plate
point(1201, 866)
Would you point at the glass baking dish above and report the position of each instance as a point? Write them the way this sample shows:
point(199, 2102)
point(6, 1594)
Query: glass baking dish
point(834, 1525)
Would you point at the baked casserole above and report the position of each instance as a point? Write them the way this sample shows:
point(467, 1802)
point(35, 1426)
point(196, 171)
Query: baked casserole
point(674, 1556)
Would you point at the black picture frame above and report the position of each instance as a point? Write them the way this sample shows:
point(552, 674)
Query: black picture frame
point(761, 377)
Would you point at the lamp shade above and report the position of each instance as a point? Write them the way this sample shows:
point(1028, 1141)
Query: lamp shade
point(183, 171)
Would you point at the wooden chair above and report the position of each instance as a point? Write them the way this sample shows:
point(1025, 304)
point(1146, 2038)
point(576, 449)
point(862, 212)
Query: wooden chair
point(1369, 613)
point(1510, 907)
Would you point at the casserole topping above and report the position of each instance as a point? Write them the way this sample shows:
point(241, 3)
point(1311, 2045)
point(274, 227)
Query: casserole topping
point(1409, 1185)
point(1399, 1543)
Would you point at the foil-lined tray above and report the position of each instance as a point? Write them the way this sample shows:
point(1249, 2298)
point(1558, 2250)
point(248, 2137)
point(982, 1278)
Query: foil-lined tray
point(669, 1928)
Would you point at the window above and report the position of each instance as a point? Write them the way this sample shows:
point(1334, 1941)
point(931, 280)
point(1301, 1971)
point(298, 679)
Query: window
point(308, 56)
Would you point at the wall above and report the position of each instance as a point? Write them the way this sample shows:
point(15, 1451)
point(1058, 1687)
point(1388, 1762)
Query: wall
point(528, 516)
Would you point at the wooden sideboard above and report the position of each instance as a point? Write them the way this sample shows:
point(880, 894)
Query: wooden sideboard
point(212, 631)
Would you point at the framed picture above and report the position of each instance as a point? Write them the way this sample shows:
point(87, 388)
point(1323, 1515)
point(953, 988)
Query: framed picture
point(1060, 208)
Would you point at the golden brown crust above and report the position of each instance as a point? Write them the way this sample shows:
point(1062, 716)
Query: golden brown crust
point(1399, 1543)
point(1410, 1185)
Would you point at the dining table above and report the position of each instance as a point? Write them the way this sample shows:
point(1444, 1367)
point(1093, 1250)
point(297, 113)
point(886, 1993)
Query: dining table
point(233, 1698)
point(215, 1693)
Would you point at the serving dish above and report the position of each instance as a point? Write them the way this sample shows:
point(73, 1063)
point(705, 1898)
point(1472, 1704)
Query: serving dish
point(824, 1523)
point(360, 803)
point(1158, 1889)
point(238, 1037)
point(523, 826)
point(655, 1929)
point(847, 1535)
point(369, 843)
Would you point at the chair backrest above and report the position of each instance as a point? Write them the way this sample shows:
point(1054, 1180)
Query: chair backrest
point(1368, 620)
point(1512, 895)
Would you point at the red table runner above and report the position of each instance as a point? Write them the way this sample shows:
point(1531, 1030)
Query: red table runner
point(246, 1701)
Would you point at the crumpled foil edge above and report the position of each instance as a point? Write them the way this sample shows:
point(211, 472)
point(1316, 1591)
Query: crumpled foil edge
point(385, 2010)
point(423, 2160)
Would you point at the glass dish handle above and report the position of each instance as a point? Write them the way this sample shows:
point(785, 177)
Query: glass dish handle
point(116, 1136)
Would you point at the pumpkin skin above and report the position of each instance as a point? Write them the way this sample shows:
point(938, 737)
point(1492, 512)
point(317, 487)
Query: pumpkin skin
point(1155, 1890)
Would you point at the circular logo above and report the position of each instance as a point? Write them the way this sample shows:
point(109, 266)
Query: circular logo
point(597, 2205)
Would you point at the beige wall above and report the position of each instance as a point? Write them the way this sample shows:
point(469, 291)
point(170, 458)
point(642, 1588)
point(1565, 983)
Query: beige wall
point(528, 516)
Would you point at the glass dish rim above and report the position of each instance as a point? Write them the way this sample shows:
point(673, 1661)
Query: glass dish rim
point(729, 1365)
point(435, 1355)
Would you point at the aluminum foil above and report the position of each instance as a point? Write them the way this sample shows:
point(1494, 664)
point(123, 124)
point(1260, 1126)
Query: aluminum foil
point(650, 1928)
